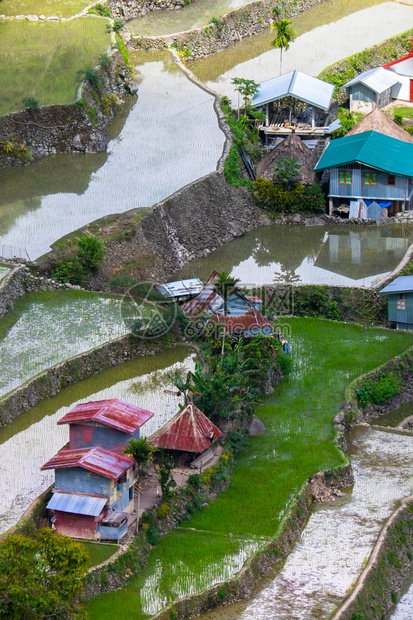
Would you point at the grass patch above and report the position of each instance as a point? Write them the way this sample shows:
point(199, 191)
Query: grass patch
point(41, 60)
point(297, 443)
point(404, 111)
point(98, 552)
point(59, 8)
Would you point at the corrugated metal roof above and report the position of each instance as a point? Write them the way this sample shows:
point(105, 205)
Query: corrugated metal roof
point(207, 300)
point(97, 460)
point(113, 413)
point(188, 431)
point(78, 504)
point(402, 284)
point(378, 79)
point(181, 288)
point(295, 84)
point(251, 320)
point(371, 149)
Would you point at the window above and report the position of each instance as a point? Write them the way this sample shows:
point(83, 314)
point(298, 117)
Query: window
point(401, 302)
point(391, 180)
point(345, 177)
point(370, 178)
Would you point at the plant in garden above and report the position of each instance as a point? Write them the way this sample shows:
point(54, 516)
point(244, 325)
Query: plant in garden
point(313, 199)
point(246, 88)
point(285, 35)
point(91, 252)
point(142, 452)
point(105, 61)
point(286, 169)
point(30, 103)
point(379, 391)
point(100, 9)
point(166, 479)
point(279, 198)
point(91, 76)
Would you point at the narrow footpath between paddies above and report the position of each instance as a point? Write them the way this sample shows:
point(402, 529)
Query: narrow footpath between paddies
point(297, 443)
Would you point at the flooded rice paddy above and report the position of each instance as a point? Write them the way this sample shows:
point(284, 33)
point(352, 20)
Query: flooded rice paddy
point(34, 437)
point(3, 271)
point(47, 328)
point(338, 538)
point(336, 255)
point(199, 13)
point(311, 52)
point(170, 138)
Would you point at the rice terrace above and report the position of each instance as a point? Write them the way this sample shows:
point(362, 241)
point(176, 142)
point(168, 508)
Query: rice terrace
point(206, 309)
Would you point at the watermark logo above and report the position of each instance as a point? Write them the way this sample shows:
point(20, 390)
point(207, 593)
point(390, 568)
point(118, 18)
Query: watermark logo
point(146, 313)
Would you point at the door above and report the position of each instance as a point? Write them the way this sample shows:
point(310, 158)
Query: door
point(411, 91)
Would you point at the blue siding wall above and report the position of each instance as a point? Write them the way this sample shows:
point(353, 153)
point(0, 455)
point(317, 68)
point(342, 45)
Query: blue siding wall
point(78, 480)
point(85, 436)
point(357, 189)
point(403, 317)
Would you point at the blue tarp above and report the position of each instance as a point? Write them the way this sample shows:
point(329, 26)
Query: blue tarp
point(383, 204)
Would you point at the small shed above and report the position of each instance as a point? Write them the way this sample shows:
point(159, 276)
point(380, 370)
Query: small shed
point(370, 89)
point(403, 70)
point(379, 121)
point(181, 289)
point(400, 301)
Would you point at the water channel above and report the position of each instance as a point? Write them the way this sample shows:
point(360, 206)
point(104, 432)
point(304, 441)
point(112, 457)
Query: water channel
point(34, 437)
point(338, 537)
point(170, 138)
point(333, 254)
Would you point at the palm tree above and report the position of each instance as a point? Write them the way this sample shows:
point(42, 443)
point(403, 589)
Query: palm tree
point(285, 35)
point(142, 452)
point(226, 286)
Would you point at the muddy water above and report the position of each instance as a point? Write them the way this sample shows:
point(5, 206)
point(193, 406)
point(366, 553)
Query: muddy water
point(163, 22)
point(34, 437)
point(333, 255)
point(170, 138)
point(338, 538)
point(311, 52)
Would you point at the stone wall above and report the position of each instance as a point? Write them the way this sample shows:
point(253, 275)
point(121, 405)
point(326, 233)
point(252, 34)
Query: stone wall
point(50, 382)
point(20, 281)
point(240, 23)
point(129, 9)
point(78, 127)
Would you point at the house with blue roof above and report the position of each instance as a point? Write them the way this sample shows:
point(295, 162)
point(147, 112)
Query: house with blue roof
point(369, 172)
point(400, 302)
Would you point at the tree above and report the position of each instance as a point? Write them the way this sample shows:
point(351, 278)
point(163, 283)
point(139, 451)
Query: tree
point(41, 577)
point(245, 88)
point(142, 452)
point(226, 286)
point(286, 169)
point(166, 480)
point(285, 35)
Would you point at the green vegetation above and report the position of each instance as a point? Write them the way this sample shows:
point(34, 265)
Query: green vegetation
point(269, 474)
point(380, 390)
point(285, 34)
point(98, 552)
point(46, 57)
point(60, 8)
point(77, 268)
point(40, 576)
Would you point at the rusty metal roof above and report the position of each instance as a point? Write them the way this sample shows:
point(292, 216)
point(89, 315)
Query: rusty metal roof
point(114, 413)
point(188, 431)
point(249, 321)
point(207, 300)
point(97, 460)
point(79, 504)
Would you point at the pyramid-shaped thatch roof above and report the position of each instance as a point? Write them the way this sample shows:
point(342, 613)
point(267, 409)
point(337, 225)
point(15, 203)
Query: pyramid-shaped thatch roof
point(188, 431)
point(377, 120)
point(294, 148)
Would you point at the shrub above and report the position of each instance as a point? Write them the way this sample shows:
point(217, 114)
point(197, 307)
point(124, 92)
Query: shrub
point(70, 271)
point(313, 199)
point(91, 76)
point(91, 252)
point(100, 9)
point(398, 118)
point(105, 61)
point(285, 362)
point(147, 517)
point(163, 510)
point(152, 535)
point(380, 391)
point(30, 103)
point(195, 481)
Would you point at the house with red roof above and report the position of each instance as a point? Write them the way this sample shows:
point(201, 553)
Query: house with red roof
point(403, 70)
point(93, 493)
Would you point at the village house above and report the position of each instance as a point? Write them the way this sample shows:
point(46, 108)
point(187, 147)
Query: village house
point(93, 493)
point(400, 302)
point(370, 172)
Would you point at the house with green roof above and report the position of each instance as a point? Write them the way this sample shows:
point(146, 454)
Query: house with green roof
point(369, 172)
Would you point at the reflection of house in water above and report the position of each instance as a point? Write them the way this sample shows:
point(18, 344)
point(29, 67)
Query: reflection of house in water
point(373, 252)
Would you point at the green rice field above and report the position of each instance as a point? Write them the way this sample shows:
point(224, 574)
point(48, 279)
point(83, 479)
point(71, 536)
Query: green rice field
point(48, 8)
point(297, 443)
point(41, 59)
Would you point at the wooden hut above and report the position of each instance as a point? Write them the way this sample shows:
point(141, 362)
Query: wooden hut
point(294, 148)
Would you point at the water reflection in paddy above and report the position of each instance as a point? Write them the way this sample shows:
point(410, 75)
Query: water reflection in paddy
point(335, 255)
point(170, 138)
point(338, 537)
point(3, 271)
point(311, 52)
point(34, 436)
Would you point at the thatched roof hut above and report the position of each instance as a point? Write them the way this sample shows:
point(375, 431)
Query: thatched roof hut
point(377, 120)
point(294, 148)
